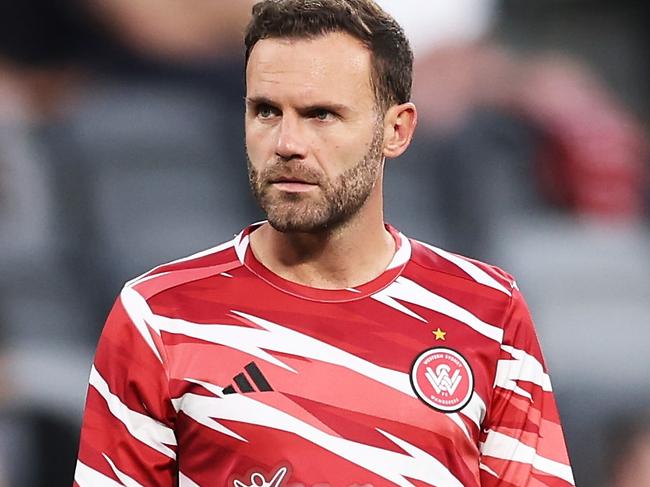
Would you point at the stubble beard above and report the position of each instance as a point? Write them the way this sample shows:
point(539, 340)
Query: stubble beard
point(337, 202)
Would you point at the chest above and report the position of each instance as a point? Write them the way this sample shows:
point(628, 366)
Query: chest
point(371, 389)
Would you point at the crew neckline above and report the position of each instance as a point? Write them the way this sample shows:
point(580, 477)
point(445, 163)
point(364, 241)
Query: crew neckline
point(392, 271)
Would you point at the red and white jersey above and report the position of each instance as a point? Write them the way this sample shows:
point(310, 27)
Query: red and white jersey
point(213, 371)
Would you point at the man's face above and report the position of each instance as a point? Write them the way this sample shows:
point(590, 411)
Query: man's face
point(313, 135)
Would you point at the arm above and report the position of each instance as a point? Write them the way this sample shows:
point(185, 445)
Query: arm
point(127, 437)
point(522, 442)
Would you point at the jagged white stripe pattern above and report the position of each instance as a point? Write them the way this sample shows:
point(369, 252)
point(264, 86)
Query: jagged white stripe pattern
point(475, 272)
point(255, 342)
point(145, 278)
point(138, 310)
point(277, 338)
point(475, 409)
point(195, 408)
point(87, 477)
point(411, 292)
point(274, 337)
point(523, 367)
point(393, 466)
point(141, 427)
point(185, 481)
point(152, 273)
point(241, 244)
point(402, 255)
point(504, 447)
point(388, 301)
point(488, 470)
point(456, 419)
point(136, 306)
point(124, 478)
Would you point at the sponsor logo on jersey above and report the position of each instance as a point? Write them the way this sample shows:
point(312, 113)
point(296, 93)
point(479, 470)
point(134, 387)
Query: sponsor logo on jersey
point(442, 378)
point(243, 384)
point(257, 479)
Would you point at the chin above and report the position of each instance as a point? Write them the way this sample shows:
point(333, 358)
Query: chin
point(307, 223)
point(288, 225)
point(295, 214)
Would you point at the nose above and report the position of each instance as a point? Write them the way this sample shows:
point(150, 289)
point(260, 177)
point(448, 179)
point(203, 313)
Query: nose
point(291, 143)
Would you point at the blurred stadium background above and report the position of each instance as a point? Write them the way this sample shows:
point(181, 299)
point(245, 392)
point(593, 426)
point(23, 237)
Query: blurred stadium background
point(121, 148)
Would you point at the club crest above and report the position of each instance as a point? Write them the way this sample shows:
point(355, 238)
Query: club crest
point(443, 379)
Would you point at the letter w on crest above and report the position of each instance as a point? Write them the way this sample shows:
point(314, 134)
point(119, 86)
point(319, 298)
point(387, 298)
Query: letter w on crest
point(441, 381)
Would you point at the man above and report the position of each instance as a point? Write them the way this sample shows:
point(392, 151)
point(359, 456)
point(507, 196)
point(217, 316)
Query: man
point(322, 347)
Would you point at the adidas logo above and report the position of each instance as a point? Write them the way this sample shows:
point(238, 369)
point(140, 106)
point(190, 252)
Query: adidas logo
point(244, 385)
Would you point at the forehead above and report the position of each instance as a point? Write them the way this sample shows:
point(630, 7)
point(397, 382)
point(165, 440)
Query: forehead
point(332, 65)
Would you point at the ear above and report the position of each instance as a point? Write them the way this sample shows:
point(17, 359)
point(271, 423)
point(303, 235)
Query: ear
point(399, 126)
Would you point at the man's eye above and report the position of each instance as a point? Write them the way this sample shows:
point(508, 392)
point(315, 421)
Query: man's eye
point(265, 111)
point(321, 114)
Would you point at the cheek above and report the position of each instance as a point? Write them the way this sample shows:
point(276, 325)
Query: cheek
point(255, 145)
point(342, 150)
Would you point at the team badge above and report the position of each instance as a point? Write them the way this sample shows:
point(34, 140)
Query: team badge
point(443, 379)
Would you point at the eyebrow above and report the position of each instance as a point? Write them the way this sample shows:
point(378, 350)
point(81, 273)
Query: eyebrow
point(333, 107)
point(257, 100)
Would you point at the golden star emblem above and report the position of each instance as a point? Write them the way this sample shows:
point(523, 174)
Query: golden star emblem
point(440, 335)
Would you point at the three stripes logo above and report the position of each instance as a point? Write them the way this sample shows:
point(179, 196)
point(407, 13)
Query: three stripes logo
point(243, 383)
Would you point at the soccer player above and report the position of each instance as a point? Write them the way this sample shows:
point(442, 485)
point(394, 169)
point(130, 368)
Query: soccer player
point(322, 347)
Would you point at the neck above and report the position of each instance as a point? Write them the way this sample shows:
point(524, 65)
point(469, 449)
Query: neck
point(348, 256)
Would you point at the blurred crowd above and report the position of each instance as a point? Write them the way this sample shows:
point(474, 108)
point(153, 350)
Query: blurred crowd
point(121, 147)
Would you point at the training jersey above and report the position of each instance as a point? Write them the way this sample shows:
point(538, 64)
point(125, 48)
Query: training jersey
point(214, 371)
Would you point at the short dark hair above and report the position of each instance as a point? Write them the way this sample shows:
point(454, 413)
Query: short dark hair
point(392, 57)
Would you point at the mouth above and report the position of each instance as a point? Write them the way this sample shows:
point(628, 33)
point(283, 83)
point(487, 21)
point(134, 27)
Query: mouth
point(292, 184)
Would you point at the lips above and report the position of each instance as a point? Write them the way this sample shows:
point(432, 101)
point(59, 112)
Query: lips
point(292, 180)
point(294, 187)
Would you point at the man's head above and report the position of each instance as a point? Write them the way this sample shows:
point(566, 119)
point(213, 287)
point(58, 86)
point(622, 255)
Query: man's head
point(391, 55)
point(325, 103)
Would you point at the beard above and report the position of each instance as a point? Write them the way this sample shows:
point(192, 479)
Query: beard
point(336, 201)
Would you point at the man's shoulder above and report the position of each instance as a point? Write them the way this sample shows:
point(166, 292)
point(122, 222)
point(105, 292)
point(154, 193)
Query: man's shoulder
point(433, 259)
point(201, 265)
